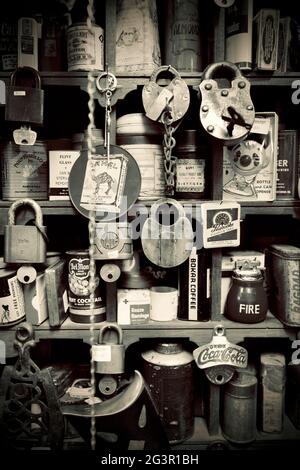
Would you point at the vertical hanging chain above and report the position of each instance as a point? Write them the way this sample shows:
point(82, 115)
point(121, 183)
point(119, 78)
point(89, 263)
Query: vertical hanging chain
point(92, 227)
point(169, 143)
point(108, 94)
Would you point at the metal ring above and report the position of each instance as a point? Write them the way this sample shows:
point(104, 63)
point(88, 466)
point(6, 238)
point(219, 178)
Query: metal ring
point(111, 82)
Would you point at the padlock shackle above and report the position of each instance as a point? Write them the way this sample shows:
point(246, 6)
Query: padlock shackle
point(164, 68)
point(170, 201)
point(223, 70)
point(111, 327)
point(21, 203)
point(25, 71)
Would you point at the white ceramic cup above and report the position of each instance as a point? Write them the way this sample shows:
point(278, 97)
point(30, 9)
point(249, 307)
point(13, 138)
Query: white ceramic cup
point(163, 303)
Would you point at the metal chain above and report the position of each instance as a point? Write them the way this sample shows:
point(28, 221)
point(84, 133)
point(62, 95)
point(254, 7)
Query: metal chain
point(92, 228)
point(170, 161)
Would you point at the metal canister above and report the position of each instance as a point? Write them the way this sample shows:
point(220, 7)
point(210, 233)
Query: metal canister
point(168, 370)
point(247, 299)
point(183, 36)
point(239, 409)
point(24, 170)
point(85, 50)
point(78, 263)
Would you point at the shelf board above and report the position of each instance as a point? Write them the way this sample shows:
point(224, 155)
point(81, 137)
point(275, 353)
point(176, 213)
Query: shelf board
point(79, 79)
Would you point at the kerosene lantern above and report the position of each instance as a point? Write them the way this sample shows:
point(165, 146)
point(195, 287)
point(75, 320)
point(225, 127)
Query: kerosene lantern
point(247, 300)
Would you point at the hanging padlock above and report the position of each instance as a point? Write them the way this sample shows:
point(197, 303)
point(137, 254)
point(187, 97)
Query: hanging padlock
point(167, 244)
point(226, 113)
point(109, 357)
point(175, 95)
point(25, 243)
point(24, 97)
point(220, 358)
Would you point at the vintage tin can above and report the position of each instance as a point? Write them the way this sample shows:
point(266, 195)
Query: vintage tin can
point(24, 171)
point(78, 263)
point(183, 36)
point(239, 409)
point(12, 309)
point(85, 50)
point(284, 283)
point(168, 370)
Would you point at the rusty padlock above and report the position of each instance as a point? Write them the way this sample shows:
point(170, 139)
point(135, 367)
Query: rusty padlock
point(24, 97)
point(109, 356)
point(25, 243)
point(226, 113)
point(167, 244)
point(175, 96)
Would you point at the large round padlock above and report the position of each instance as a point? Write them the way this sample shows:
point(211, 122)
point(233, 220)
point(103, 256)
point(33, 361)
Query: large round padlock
point(25, 243)
point(226, 113)
point(109, 353)
point(175, 96)
point(167, 243)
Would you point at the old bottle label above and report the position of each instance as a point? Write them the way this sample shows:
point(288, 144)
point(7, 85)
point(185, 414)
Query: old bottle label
point(190, 175)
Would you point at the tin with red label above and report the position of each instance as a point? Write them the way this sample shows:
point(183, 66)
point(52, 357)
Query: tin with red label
point(78, 263)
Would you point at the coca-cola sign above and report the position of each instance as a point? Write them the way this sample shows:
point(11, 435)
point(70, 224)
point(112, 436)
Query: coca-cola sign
point(220, 352)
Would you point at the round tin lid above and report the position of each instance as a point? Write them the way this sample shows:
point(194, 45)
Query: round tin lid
point(137, 123)
point(242, 386)
point(286, 251)
point(168, 354)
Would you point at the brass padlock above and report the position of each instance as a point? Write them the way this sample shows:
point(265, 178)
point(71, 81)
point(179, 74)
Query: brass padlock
point(109, 357)
point(167, 244)
point(25, 243)
point(24, 97)
point(226, 113)
point(175, 96)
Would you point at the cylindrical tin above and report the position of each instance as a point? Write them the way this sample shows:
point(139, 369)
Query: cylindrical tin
point(190, 166)
point(137, 38)
point(143, 140)
point(78, 263)
point(168, 369)
point(239, 409)
point(85, 50)
point(247, 299)
point(284, 283)
point(12, 309)
point(183, 36)
point(24, 171)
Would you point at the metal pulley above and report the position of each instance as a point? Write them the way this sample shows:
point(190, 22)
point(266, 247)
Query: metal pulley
point(226, 113)
point(167, 243)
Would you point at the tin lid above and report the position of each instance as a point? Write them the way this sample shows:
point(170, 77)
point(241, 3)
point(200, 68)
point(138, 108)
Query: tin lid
point(247, 272)
point(168, 354)
point(77, 252)
point(188, 138)
point(242, 386)
point(138, 124)
point(286, 251)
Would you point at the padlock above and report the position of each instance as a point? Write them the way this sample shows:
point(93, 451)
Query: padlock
point(25, 243)
point(109, 357)
point(226, 113)
point(25, 103)
point(175, 96)
point(167, 244)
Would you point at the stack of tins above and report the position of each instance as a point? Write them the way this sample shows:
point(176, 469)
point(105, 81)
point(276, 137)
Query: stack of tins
point(24, 170)
point(142, 138)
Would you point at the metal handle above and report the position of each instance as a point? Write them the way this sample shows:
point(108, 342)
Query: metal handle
point(21, 203)
point(172, 202)
point(25, 70)
point(110, 327)
point(222, 69)
point(164, 68)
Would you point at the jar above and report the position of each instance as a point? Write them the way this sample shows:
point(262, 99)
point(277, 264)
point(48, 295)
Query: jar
point(191, 166)
point(85, 50)
point(239, 409)
point(247, 300)
point(183, 39)
point(169, 371)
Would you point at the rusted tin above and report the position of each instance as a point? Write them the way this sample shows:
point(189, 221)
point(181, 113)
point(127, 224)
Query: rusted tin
point(168, 369)
point(78, 263)
point(24, 170)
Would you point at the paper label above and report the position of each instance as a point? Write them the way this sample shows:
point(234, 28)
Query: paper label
point(221, 224)
point(193, 286)
point(65, 300)
point(101, 352)
point(190, 175)
point(104, 183)
point(12, 306)
point(60, 165)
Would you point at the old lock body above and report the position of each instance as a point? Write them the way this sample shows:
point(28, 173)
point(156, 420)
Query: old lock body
point(24, 243)
point(25, 103)
point(226, 113)
point(109, 356)
point(175, 96)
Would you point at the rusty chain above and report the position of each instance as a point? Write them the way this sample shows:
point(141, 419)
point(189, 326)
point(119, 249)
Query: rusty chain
point(169, 143)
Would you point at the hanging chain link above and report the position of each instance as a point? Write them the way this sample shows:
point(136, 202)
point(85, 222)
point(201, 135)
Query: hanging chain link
point(169, 143)
point(92, 228)
point(108, 95)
